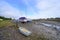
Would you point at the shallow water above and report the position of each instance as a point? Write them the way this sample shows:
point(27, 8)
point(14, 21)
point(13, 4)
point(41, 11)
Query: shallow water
point(46, 24)
point(52, 26)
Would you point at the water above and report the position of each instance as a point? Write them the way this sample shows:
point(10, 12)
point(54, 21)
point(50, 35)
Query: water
point(57, 27)
point(45, 24)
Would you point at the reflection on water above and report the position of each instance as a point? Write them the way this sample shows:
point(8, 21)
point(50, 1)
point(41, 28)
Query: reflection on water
point(57, 27)
point(46, 24)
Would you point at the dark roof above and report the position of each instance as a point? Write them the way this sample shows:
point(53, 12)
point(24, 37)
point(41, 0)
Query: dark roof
point(22, 18)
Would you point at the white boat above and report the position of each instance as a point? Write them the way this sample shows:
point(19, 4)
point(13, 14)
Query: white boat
point(25, 31)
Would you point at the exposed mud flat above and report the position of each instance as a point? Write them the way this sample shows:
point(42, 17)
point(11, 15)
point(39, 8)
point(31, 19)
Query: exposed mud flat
point(37, 29)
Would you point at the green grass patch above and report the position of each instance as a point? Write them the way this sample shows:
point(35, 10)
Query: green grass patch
point(5, 23)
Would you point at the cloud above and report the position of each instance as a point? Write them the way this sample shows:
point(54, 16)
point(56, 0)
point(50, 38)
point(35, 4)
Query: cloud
point(42, 5)
point(33, 9)
point(48, 8)
point(43, 8)
point(8, 11)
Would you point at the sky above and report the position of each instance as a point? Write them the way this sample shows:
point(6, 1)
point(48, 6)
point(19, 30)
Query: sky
point(33, 9)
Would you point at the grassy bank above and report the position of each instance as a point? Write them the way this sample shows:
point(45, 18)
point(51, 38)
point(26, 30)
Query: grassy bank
point(5, 23)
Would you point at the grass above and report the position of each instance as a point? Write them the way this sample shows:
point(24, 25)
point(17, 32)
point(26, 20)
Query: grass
point(5, 23)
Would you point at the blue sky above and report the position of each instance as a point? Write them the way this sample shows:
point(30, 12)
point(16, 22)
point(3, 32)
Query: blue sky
point(33, 9)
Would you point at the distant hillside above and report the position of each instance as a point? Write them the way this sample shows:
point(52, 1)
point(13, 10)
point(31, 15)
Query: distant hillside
point(54, 19)
point(49, 19)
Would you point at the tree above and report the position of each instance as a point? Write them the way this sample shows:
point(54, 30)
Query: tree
point(4, 18)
